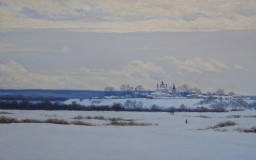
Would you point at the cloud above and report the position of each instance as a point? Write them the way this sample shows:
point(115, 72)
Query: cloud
point(47, 9)
point(31, 13)
point(14, 75)
point(246, 12)
point(140, 66)
point(136, 72)
point(193, 16)
point(120, 74)
point(84, 70)
point(65, 49)
point(2, 4)
point(196, 65)
point(240, 67)
point(129, 16)
point(51, 10)
point(138, 69)
point(219, 64)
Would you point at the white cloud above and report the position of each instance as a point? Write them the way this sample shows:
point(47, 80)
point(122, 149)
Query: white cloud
point(84, 70)
point(137, 72)
point(172, 8)
point(65, 49)
point(121, 74)
point(240, 67)
point(138, 69)
point(219, 64)
point(140, 66)
point(14, 75)
point(196, 65)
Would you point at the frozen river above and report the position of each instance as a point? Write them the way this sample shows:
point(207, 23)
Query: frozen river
point(168, 138)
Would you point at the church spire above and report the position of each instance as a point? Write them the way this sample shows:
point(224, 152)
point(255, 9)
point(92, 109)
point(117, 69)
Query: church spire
point(173, 90)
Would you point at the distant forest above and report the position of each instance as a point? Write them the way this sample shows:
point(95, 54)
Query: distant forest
point(25, 105)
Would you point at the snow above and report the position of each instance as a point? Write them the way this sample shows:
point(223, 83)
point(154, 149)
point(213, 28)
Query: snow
point(170, 139)
point(146, 103)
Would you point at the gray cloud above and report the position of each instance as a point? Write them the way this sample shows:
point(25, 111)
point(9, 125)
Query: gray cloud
point(129, 16)
point(193, 16)
point(94, 14)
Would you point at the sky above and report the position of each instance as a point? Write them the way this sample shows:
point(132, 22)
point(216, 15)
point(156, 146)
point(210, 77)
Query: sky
point(89, 44)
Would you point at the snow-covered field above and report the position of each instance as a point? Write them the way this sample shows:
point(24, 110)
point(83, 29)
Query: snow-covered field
point(138, 102)
point(172, 138)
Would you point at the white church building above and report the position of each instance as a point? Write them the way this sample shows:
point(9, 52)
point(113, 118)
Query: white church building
point(162, 91)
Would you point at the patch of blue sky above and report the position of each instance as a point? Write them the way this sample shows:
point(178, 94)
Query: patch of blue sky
point(93, 15)
point(193, 16)
point(246, 12)
point(2, 4)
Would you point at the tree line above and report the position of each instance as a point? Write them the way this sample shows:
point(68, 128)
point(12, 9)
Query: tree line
point(128, 90)
point(25, 105)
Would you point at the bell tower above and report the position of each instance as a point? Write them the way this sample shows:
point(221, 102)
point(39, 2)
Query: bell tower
point(173, 90)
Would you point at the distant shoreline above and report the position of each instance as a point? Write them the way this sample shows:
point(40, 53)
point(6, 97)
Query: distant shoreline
point(13, 105)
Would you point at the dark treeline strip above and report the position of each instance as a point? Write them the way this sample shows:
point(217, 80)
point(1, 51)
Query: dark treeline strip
point(24, 105)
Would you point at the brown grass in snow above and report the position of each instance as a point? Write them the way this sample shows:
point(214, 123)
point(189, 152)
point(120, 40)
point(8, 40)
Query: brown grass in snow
point(221, 125)
point(113, 121)
point(250, 130)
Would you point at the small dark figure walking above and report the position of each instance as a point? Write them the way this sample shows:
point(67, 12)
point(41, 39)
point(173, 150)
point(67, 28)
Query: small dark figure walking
point(186, 121)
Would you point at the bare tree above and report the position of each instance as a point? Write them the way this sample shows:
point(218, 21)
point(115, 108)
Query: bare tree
point(187, 88)
point(127, 89)
point(139, 88)
point(209, 93)
point(123, 87)
point(231, 93)
point(184, 88)
point(220, 92)
point(196, 89)
point(130, 88)
point(109, 90)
